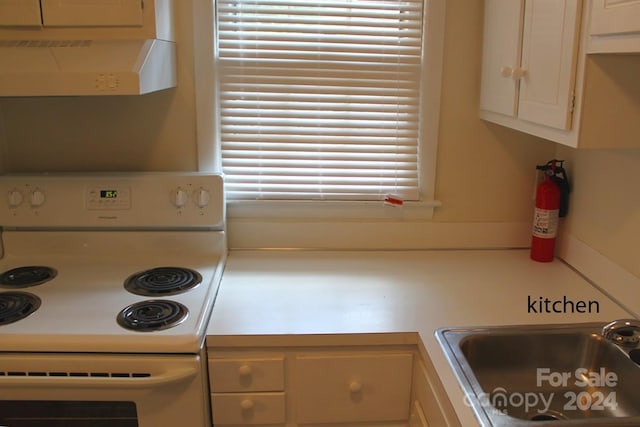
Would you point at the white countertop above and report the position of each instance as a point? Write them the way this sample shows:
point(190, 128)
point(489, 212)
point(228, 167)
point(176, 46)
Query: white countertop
point(302, 293)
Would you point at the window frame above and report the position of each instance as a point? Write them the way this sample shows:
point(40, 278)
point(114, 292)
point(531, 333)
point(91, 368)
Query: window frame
point(209, 150)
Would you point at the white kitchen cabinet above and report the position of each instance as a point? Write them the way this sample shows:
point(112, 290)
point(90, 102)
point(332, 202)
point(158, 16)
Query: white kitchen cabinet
point(350, 388)
point(614, 26)
point(428, 406)
point(537, 77)
point(529, 61)
point(247, 374)
point(20, 13)
point(304, 386)
point(417, 418)
point(71, 13)
point(92, 13)
point(247, 390)
point(501, 54)
point(86, 19)
point(248, 408)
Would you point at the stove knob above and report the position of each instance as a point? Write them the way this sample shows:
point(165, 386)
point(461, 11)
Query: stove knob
point(179, 197)
point(37, 198)
point(201, 197)
point(15, 198)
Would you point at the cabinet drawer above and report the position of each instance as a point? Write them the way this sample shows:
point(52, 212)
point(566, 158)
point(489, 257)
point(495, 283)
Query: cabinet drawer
point(242, 375)
point(248, 408)
point(373, 387)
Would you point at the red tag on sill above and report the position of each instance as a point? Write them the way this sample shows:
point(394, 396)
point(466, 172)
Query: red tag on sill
point(392, 200)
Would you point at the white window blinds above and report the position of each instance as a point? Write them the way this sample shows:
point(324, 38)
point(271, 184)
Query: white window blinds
point(320, 99)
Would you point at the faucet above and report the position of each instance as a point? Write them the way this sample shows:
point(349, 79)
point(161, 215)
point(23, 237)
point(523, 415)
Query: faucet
point(625, 332)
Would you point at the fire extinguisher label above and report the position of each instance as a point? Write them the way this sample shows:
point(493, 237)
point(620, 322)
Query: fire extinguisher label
point(545, 223)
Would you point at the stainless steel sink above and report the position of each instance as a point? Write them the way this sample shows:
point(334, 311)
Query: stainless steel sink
point(558, 375)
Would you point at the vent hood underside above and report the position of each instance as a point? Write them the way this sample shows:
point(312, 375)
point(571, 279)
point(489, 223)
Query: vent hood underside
point(86, 67)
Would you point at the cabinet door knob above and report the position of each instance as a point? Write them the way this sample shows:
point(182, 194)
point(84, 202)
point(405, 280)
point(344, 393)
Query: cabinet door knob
point(244, 370)
point(506, 71)
point(247, 404)
point(518, 73)
point(355, 386)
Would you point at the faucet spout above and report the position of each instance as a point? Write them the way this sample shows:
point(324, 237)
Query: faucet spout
point(625, 332)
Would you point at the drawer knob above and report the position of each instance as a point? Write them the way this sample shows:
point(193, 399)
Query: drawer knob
point(246, 404)
point(506, 71)
point(244, 370)
point(355, 386)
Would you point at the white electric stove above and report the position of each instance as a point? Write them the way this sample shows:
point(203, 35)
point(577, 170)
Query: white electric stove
point(107, 282)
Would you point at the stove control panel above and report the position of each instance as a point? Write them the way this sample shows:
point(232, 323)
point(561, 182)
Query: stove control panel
point(137, 200)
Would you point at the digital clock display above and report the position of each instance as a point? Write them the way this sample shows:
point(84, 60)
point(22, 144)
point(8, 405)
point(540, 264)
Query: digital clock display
point(108, 194)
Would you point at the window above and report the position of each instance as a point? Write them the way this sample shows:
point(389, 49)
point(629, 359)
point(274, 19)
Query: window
point(324, 100)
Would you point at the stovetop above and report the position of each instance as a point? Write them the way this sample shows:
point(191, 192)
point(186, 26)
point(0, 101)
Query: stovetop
point(89, 292)
point(79, 306)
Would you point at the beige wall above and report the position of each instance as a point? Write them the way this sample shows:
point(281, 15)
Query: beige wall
point(151, 132)
point(605, 203)
point(485, 172)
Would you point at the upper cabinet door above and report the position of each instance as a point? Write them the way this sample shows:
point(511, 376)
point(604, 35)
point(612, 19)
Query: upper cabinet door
point(614, 17)
point(94, 13)
point(614, 26)
point(501, 55)
point(20, 13)
point(529, 60)
point(549, 56)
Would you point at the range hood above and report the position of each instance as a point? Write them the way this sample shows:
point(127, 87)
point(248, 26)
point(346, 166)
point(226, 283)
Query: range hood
point(86, 67)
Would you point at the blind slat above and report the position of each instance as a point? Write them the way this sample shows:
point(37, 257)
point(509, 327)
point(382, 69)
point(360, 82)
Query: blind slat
point(311, 90)
point(338, 133)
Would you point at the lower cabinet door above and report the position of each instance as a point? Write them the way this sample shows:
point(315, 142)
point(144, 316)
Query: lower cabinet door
point(249, 408)
point(362, 388)
point(417, 416)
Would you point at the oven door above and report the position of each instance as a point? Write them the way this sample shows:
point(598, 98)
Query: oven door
point(91, 390)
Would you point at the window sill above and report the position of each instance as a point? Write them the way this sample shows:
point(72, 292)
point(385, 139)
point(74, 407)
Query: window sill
point(330, 210)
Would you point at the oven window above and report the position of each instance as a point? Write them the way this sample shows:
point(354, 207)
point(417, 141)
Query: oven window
point(52, 413)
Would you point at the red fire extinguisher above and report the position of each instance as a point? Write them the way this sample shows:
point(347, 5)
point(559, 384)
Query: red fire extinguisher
point(548, 209)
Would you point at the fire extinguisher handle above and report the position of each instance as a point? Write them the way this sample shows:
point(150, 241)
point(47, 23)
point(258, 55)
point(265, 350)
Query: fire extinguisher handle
point(560, 178)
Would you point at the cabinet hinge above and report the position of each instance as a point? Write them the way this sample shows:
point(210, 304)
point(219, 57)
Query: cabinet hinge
point(572, 104)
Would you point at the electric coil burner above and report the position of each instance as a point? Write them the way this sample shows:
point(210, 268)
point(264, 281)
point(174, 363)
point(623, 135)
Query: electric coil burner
point(152, 315)
point(162, 281)
point(15, 306)
point(24, 277)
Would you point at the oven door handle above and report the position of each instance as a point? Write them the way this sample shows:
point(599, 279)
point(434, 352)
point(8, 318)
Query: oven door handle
point(142, 382)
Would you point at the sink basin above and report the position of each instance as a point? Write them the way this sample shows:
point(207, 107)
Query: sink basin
point(558, 375)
